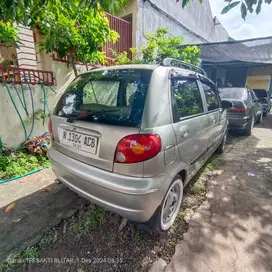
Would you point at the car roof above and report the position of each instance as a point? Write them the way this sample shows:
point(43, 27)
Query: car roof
point(184, 71)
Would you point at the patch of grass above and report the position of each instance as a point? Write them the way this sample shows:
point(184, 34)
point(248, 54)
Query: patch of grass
point(21, 163)
point(92, 219)
point(198, 188)
point(47, 241)
point(30, 252)
point(137, 237)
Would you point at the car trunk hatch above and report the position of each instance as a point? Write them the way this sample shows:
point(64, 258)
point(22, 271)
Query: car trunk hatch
point(90, 143)
point(96, 111)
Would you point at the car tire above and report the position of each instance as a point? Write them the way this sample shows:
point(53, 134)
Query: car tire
point(248, 130)
point(265, 114)
point(174, 195)
point(260, 119)
point(221, 148)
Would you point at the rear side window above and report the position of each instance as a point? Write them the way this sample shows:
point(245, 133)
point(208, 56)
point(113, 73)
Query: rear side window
point(212, 98)
point(186, 97)
point(233, 93)
point(114, 97)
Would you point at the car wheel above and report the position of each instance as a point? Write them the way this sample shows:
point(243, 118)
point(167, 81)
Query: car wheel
point(265, 114)
point(166, 213)
point(221, 148)
point(260, 119)
point(250, 126)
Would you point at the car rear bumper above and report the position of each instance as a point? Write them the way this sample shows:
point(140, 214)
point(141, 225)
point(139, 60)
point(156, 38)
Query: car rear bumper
point(133, 198)
point(238, 122)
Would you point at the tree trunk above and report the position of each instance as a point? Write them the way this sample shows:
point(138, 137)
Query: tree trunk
point(73, 61)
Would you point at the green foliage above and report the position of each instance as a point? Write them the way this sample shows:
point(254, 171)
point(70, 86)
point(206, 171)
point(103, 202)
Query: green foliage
point(8, 34)
point(158, 46)
point(230, 6)
point(77, 29)
point(78, 33)
point(47, 241)
point(19, 10)
point(30, 252)
point(20, 163)
point(247, 5)
point(92, 219)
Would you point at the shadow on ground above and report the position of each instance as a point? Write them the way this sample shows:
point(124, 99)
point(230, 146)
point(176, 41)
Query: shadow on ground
point(232, 230)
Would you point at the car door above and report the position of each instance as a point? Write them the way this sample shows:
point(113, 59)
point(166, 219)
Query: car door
point(215, 112)
point(190, 121)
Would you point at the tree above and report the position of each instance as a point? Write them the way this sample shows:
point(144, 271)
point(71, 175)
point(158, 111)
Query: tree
point(77, 33)
point(77, 29)
point(18, 10)
point(158, 46)
point(8, 34)
point(245, 5)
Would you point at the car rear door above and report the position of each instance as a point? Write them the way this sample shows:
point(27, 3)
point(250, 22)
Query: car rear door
point(190, 121)
point(215, 112)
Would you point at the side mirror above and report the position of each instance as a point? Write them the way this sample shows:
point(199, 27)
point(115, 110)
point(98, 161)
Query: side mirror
point(226, 104)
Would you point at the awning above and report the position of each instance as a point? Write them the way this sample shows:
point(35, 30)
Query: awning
point(255, 51)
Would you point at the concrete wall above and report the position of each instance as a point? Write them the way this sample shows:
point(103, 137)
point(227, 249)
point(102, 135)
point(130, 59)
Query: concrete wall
point(26, 53)
point(11, 130)
point(195, 22)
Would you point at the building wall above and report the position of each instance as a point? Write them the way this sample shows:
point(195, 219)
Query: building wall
point(26, 53)
point(131, 8)
point(195, 22)
point(7, 53)
point(11, 130)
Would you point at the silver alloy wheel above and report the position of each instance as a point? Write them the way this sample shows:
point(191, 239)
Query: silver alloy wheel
point(171, 204)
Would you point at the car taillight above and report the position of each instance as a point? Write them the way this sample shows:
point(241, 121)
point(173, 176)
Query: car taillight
point(137, 148)
point(239, 110)
point(50, 128)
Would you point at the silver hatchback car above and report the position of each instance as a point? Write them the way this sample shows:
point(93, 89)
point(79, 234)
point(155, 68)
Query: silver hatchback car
point(130, 137)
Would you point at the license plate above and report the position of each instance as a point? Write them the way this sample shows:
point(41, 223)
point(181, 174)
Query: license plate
point(80, 141)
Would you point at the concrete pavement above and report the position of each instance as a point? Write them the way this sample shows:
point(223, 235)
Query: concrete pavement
point(232, 229)
point(35, 212)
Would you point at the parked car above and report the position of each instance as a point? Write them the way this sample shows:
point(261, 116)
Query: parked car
point(130, 137)
point(264, 98)
point(246, 110)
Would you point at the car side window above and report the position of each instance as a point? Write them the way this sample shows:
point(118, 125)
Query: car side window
point(187, 99)
point(212, 99)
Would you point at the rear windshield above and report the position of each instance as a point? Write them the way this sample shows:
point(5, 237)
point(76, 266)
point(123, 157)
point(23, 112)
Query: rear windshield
point(261, 93)
point(114, 97)
point(233, 93)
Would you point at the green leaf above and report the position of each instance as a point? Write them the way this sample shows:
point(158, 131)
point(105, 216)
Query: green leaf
point(229, 7)
point(184, 3)
point(243, 11)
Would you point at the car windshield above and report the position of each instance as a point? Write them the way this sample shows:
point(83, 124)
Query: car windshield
point(233, 93)
point(114, 97)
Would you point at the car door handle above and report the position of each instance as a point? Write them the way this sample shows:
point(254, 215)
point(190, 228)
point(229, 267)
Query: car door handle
point(213, 121)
